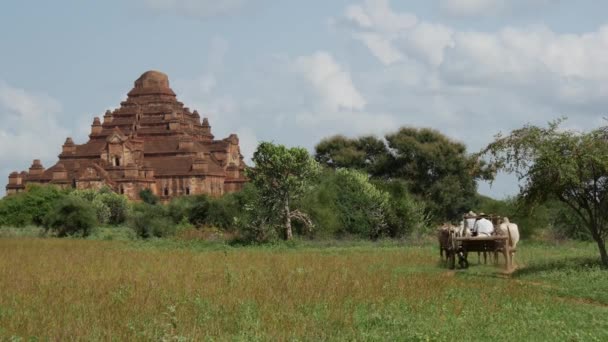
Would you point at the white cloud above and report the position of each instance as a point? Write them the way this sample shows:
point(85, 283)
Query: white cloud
point(382, 47)
point(473, 7)
point(468, 8)
point(30, 128)
point(534, 62)
point(385, 32)
point(471, 84)
point(337, 104)
point(197, 8)
point(333, 83)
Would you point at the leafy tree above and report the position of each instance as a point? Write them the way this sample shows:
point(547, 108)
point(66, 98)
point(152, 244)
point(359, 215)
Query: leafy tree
point(147, 196)
point(109, 206)
point(199, 211)
point(364, 153)
point(117, 204)
point(31, 206)
point(92, 197)
point(362, 208)
point(567, 165)
point(150, 221)
point(182, 208)
point(320, 203)
point(281, 175)
point(71, 216)
point(406, 215)
point(436, 168)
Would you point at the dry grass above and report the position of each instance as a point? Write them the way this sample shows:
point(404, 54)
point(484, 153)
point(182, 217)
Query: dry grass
point(95, 290)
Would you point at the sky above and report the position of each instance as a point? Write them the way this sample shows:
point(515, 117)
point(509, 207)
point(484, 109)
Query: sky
point(294, 72)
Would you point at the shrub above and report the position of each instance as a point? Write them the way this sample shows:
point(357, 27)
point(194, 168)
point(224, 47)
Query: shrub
point(362, 207)
point(31, 206)
point(151, 221)
point(13, 212)
point(71, 217)
point(148, 196)
point(320, 203)
point(109, 206)
point(199, 210)
point(251, 218)
point(225, 211)
point(92, 197)
point(406, 215)
point(118, 206)
point(181, 208)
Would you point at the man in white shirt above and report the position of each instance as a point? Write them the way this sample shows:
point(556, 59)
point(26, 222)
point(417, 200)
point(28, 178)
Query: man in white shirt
point(469, 221)
point(484, 227)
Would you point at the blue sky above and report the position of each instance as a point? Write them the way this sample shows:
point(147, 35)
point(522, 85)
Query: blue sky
point(296, 71)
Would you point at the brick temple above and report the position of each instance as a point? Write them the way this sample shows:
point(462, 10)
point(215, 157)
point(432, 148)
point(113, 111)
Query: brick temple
point(151, 142)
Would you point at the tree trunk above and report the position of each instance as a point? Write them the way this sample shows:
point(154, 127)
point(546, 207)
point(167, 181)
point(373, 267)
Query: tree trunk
point(603, 255)
point(288, 232)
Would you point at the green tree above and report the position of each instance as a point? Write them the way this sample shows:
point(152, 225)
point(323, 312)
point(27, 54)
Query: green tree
point(71, 216)
point(366, 153)
point(567, 165)
point(281, 175)
point(147, 196)
point(406, 215)
point(31, 206)
point(436, 168)
point(362, 208)
point(149, 221)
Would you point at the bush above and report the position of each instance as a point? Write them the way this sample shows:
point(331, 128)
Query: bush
point(250, 217)
point(148, 196)
point(118, 206)
point(225, 211)
point(320, 203)
point(362, 208)
point(29, 207)
point(151, 221)
point(180, 208)
point(199, 210)
point(346, 202)
point(110, 207)
point(406, 216)
point(71, 217)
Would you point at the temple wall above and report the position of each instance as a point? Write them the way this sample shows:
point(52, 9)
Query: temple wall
point(92, 184)
point(230, 187)
point(130, 189)
point(184, 186)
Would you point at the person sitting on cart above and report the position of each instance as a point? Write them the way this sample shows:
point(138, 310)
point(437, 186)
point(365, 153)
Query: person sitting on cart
point(469, 221)
point(483, 226)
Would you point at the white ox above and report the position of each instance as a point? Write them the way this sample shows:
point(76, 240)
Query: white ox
point(506, 228)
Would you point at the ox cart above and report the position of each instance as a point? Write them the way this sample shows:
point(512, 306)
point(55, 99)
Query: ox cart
point(458, 247)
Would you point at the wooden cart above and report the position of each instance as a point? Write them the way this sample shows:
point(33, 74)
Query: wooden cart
point(460, 247)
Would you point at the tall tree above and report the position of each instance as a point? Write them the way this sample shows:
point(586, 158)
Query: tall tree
point(366, 153)
point(281, 175)
point(436, 168)
point(567, 165)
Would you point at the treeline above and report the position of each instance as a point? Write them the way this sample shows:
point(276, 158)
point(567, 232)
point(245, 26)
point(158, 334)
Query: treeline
point(365, 187)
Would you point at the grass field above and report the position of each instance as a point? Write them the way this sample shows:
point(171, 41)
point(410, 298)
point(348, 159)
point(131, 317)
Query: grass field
point(116, 290)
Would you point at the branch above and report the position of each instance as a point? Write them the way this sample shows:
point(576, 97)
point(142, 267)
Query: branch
point(302, 217)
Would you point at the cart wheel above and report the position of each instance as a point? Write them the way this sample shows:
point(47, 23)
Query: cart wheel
point(452, 260)
point(463, 262)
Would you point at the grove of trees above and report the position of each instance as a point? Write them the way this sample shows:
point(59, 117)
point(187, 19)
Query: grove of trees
point(437, 170)
point(365, 187)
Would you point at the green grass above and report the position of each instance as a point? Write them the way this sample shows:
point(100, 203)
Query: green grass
point(308, 291)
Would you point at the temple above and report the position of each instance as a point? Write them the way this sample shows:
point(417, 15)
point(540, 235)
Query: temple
point(151, 142)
